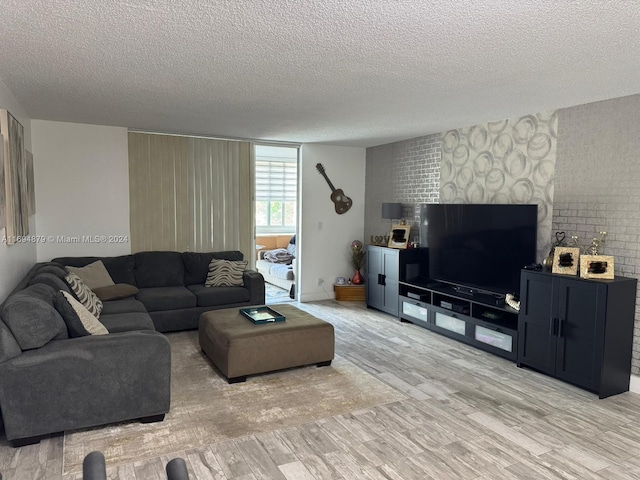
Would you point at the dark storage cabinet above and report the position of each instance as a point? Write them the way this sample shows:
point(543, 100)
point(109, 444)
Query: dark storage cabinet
point(383, 275)
point(578, 330)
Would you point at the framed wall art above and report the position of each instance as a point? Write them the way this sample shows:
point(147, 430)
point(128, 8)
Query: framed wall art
point(596, 266)
point(15, 177)
point(566, 260)
point(31, 188)
point(399, 237)
point(3, 197)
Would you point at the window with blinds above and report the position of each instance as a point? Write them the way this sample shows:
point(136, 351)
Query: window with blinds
point(276, 176)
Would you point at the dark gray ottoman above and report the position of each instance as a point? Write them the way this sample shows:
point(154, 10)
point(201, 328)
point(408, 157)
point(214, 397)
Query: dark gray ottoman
point(239, 347)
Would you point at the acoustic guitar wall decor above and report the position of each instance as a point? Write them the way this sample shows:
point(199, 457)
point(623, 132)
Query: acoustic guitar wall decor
point(341, 202)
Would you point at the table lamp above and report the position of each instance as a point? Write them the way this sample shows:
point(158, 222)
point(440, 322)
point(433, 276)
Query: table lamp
point(392, 211)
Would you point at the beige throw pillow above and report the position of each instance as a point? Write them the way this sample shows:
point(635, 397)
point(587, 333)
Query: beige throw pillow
point(93, 275)
point(89, 322)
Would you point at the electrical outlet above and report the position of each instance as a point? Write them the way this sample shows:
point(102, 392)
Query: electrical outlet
point(320, 282)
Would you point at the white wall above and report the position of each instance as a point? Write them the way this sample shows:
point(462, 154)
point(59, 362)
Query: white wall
point(324, 235)
point(15, 260)
point(82, 189)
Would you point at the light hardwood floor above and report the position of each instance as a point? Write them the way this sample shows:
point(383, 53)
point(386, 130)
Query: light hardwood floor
point(467, 415)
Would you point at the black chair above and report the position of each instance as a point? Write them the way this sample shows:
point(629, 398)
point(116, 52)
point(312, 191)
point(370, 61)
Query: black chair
point(94, 467)
point(177, 470)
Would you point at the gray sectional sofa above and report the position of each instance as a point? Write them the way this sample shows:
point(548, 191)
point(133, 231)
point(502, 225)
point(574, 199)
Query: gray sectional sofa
point(171, 285)
point(51, 383)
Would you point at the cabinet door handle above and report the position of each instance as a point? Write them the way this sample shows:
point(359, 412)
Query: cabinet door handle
point(552, 326)
point(491, 327)
point(560, 327)
point(382, 279)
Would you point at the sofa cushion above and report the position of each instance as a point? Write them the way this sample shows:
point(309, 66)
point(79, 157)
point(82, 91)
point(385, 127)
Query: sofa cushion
point(166, 298)
point(42, 291)
point(123, 305)
point(33, 321)
point(51, 280)
point(120, 268)
point(84, 294)
point(9, 348)
point(80, 322)
point(115, 292)
point(159, 269)
point(196, 265)
point(225, 273)
point(53, 268)
point(127, 321)
point(211, 297)
point(93, 275)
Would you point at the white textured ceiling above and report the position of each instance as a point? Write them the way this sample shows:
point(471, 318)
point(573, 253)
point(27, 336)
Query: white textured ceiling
point(359, 72)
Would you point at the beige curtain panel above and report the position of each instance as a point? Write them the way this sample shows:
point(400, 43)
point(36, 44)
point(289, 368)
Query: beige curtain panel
point(190, 194)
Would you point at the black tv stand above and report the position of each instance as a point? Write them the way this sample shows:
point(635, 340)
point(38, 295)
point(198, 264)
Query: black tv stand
point(470, 315)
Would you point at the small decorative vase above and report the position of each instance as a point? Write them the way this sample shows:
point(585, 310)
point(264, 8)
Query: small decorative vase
point(357, 279)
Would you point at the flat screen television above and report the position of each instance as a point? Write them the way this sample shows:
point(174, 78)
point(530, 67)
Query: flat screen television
point(479, 247)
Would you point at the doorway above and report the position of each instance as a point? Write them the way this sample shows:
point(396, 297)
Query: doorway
point(276, 214)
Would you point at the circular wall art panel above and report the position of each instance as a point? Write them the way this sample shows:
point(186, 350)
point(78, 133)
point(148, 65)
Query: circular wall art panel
point(502, 145)
point(450, 141)
point(539, 146)
point(525, 128)
point(460, 155)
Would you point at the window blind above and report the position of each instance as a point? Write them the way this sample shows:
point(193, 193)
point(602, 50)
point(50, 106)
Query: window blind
point(276, 180)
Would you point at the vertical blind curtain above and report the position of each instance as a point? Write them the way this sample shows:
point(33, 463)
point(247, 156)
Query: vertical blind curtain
point(190, 194)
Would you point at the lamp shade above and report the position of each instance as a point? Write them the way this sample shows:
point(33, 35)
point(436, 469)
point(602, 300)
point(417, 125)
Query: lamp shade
point(391, 210)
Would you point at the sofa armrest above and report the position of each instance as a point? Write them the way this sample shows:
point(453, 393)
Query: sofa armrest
point(84, 382)
point(254, 282)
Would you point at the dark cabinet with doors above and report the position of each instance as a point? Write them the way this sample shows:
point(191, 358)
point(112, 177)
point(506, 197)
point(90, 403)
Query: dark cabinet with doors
point(578, 330)
point(383, 276)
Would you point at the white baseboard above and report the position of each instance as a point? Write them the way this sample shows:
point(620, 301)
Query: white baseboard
point(634, 384)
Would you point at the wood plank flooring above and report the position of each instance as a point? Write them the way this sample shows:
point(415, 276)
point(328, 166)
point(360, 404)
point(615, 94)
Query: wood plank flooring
point(467, 415)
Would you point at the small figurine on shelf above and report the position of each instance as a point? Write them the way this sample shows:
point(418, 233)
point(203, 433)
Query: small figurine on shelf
point(596, 245)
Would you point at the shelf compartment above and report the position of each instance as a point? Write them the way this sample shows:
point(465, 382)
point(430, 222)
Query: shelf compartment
point(496, 316)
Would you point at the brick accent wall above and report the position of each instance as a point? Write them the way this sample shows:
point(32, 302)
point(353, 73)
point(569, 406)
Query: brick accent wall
point(407, 172)
point(597, 183)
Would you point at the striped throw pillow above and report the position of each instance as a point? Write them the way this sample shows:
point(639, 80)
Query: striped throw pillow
point(84, 294)
point(225, 273)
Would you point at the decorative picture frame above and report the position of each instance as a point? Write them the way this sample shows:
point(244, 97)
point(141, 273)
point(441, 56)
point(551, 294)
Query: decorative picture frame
point(597, 266)
point(566, 260)
point(15, 177)
point(31, 189)
point(399, 236)
point(3, 196)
